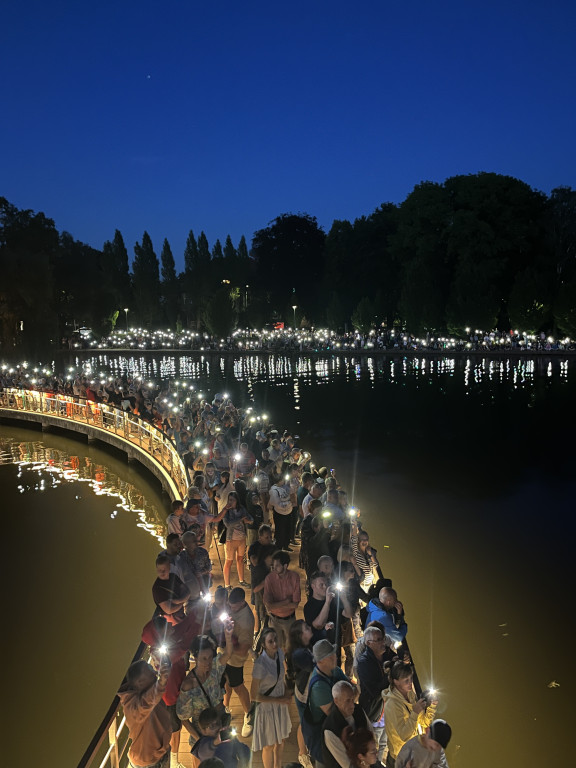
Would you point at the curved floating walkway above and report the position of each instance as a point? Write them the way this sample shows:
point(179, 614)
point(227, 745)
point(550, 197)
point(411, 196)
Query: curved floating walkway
point(147, 444)
point(140, 440)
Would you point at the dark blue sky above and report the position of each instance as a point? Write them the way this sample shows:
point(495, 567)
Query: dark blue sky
point(174, 115)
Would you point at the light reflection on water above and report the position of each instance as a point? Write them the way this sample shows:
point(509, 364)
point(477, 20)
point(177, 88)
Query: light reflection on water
point(82, 531)
point(457, 464)
point(52, 466)
point(277, 368)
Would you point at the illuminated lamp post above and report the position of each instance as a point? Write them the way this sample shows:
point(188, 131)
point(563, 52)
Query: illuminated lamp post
point(126, 310)
point(294, 308)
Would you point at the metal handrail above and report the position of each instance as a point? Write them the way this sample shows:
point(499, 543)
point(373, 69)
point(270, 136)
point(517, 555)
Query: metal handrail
point(128, 427)
point(114, 754)
point(145, 437)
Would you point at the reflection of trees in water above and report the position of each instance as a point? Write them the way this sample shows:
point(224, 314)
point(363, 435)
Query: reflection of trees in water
point(54, 466)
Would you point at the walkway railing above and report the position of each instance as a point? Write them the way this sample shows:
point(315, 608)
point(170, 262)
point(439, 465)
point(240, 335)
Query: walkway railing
point(102, 752)
point(127, 427)
point(109, 746)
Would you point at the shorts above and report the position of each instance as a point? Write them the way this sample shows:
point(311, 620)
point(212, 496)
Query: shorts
point(234, 675)
point(235, 547)
point(175, 721)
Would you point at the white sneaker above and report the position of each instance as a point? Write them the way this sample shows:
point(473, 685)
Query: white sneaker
point(246, 727)
point(305, 761)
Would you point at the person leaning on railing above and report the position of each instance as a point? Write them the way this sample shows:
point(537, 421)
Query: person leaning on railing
point(404, 713)
point(147, 716)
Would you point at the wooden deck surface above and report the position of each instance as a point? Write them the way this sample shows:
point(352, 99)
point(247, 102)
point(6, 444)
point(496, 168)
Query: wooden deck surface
point(290, 745)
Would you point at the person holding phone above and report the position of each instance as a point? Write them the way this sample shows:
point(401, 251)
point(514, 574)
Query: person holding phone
point(147, 716)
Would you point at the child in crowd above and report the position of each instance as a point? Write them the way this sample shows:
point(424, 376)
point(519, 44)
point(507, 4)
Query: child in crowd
point(218, 742)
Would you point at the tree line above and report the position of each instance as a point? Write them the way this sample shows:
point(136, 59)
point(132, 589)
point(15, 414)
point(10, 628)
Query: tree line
point(479, 251)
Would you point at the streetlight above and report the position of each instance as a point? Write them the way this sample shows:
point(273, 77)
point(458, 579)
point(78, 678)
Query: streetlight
point(126, 310)
point(294, 307)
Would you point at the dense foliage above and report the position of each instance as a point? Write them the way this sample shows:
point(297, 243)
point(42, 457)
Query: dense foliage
point(481, 250)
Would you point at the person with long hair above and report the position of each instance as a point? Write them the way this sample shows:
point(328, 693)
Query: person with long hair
point(272, 723)
point(299, 666)
point(235, 518)
point(404, 711)
point(360, 747)
point(202, 686)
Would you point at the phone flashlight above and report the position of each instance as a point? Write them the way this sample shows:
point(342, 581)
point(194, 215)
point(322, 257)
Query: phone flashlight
point(224, 617)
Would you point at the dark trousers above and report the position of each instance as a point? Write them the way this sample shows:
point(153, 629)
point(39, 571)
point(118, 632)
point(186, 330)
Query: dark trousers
point(282, 525)
point(293, 522)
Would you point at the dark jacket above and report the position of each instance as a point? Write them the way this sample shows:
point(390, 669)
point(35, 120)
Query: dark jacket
point(336, 723)
point(372, 682)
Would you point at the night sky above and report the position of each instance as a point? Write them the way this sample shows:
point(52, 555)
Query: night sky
point(178, 115)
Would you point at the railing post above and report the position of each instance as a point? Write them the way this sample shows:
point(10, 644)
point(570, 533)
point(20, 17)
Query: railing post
point(113, 742)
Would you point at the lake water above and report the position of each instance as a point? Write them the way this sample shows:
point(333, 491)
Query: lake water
point(464, 472)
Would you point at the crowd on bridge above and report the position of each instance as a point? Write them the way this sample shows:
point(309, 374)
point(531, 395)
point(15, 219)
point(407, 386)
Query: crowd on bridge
point(256, 494)
point(346, 663)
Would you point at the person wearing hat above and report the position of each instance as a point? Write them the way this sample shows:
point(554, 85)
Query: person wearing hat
point(427, 749)
point(325, 675)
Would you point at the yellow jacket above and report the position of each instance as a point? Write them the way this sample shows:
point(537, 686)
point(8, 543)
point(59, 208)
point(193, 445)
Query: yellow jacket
point(401, 720)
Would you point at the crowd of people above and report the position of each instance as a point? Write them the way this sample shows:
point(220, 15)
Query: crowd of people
point(297, 340)
point(346, 663)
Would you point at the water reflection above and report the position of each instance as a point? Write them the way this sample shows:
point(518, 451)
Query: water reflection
point(41, 467)
point(469, 371)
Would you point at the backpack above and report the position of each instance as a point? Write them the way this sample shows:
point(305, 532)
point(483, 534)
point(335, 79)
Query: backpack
point(312, 730)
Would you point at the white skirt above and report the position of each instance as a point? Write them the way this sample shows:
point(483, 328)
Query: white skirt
point(272, 725)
